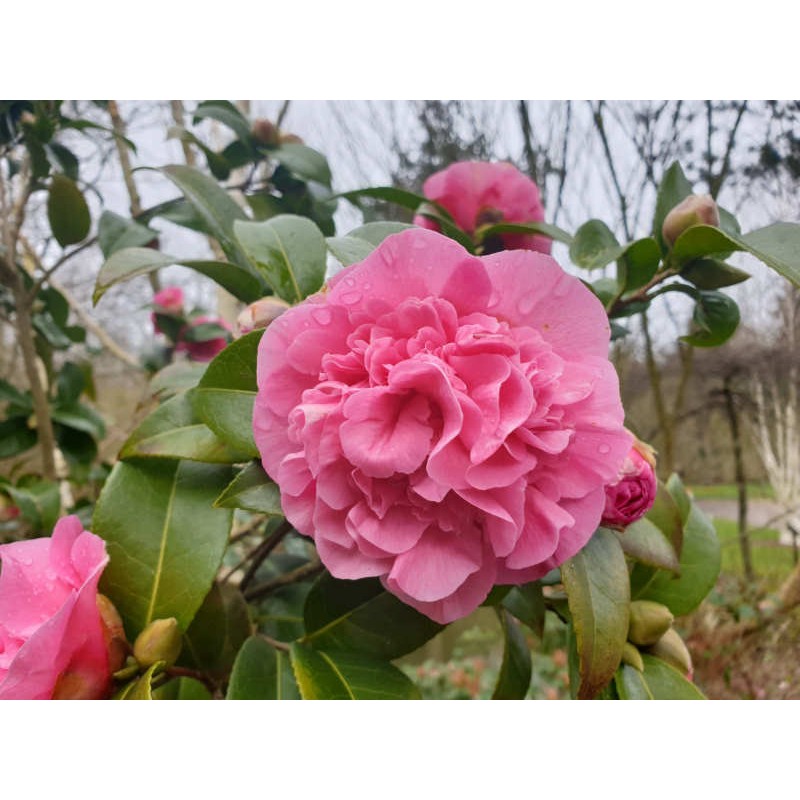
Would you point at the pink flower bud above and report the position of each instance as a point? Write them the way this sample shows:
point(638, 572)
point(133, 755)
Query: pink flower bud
point(169, 299)
point(631, 496)
point(205, 350)
point(696, 209)
point(260, 314)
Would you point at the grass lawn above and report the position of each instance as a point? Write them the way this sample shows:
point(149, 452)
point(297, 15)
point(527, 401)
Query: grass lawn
point(727, 491)
point(770, 560)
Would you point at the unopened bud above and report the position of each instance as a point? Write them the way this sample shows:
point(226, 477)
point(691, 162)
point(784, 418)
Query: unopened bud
point(265, 132)
point(649, 621)
point(260, 314)
point(161, 640)
point(113, 633)
point(697, 209)
point(647, 452)
point(632, 657)
point(672, 649)
point(26, 118)
point(291, 138)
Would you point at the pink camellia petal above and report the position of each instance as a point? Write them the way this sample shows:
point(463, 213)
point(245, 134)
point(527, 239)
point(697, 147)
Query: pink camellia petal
point(442, 421)
point(477, 193)
point(52, 640)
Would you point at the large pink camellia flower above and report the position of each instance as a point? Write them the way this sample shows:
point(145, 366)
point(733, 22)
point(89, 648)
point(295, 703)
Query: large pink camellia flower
point(479, 192)
point(442, 421)
point(52, 640)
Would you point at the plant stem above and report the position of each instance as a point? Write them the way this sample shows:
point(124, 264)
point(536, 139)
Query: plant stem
point(307, 570)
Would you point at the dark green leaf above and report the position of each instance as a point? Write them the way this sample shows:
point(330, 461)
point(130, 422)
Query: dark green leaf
point(514, 678)
point(176, 378)
point(664, 682)
point(708, 273)
point(39, 503)
point(361, 616)
point(594, 245)
point(304, 162)
point(433, 212)
point(666, 516)
point(218, 631)
point(10, 394)
point(213, 204)
point(262, 672)
point(324, 675)
point(252, 490)
point(81, 418)
point(65, 159)
point(182, 689)
point(205, 332)
point(778, 246)
point(225, 112)
point(631, 684)
point(79, 447)
point(165, 540)
point(134, 261)
point(173, 431)
point(647, 543)
point(141, 688)
point(700, 564)
point(543, 228)
point(596, 581)
point(217, 164)
point(716, 317)
point(56, 305)
point(289, 251)
point(699, 241)
point(224, 398)
point(674, 188)
point(52, 333)
point(676, 488)
point(67, 211)
point(526, 603)
point(639, 263)
point(116, 233)
point(390, 194)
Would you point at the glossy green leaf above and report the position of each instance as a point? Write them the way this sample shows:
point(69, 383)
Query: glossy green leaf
point(142, 687)
point(173, 431)
point(700, 241)
point(182, 689)
point(526, 603)
point(639, 263)
point(594, 245)
point(224, 398)
point(647, 543)
point(289, 251)
point(708, 273)
point(253, 490)
point(716, 317)
point(16, 437)
point(348, 249)
point(631, 684)
point(674, 187)
point(596, 582)
point(213, 205)
point(67, 211)
point(679, 494)
point(134, 261)
point(361, 616)
point(324, 675)
point(304, 162)
point(666, 516)
point(225, 112)
point(262, 672)
point(176, 377)
point(543, 228)
point(514, 678)
point(664, 682)
point(218, 631)
point(165, 540)
point(778, 246)
point(376, 232)
point(700, 565)
point(116, 233)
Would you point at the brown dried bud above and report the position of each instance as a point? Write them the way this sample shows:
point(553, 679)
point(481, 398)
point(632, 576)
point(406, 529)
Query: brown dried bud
point(260, 314)
point(265, 132)
point(161, 640)
point(291, 138)
point(696, 209)
point(672, 649)
point(649, 621)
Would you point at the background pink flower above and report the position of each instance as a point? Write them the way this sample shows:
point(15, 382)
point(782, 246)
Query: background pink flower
point(443, 421)
point(168, 301)
point(208, 349)
point(478, 192)
point(52, 641)
point(633, 493)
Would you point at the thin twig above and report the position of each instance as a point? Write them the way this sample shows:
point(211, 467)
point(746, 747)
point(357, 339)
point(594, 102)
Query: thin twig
point(260, 554)
point(307, 570)
point(597, 116)
point(282, 114)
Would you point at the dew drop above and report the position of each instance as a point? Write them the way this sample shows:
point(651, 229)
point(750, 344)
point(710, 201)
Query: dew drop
point(322, 315)
point(350, 281)
point(351, 298)
point(526, 303)
point(604, 449)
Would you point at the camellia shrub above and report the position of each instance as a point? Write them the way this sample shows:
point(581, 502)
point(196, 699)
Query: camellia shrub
point(433, 427)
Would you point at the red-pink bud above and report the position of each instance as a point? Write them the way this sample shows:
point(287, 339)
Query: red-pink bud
point(631, 496)
point(696, 209)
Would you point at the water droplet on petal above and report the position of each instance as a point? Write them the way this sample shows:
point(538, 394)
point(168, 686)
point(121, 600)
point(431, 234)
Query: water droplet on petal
point(350, 281)
point(526, 303)
point(351, 298)
point(604, 449)
point(322, 315)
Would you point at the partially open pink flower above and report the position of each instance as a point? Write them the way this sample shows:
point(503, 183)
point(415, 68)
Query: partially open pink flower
point(52, 640)
point(205, 350)
point(168, 301)
point(478, 193)
point(443, 421)
point(633, 492)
